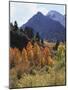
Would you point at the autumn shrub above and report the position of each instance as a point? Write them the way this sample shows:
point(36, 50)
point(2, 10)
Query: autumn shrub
point(11, 57)
point(60, 52)
point(30, 54)
point(17, 56)
point(14, 56)
point(47, 56)
point(43, 62)
point(50, 61)
point(34, 66)
point(24, 56)
point(37, 54)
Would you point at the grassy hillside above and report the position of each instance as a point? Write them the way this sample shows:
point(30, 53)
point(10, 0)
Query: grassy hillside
point(37, 66)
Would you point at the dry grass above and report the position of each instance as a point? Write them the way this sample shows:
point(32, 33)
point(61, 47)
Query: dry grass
point(48, 75)
point(51, 77)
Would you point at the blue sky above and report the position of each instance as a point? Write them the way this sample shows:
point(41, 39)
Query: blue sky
point(22, 12)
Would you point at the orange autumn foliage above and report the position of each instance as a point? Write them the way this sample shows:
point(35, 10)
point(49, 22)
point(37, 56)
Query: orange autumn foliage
point(24, 55)
point(29, 49)
point(11, 57)
point(50, 61)
point(17, 56)
point(47, 52)
point(47, 55)
point(37, 54)
point(31, 55)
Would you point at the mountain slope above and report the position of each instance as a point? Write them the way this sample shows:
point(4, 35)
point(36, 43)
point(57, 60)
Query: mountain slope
point(57, 17)
point(48, 29)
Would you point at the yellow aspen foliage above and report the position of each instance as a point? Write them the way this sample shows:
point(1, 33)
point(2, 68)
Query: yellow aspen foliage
point(24, 55)
point(24, 64)
point(47, 51)
point(50, 61)
point(46, 54)
point(11, 56)
point(36, 49)
point(41, 57)
point(29, 49)
point(61, 49)
point(43, 61)
point(37, 54)
point(17, 56)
